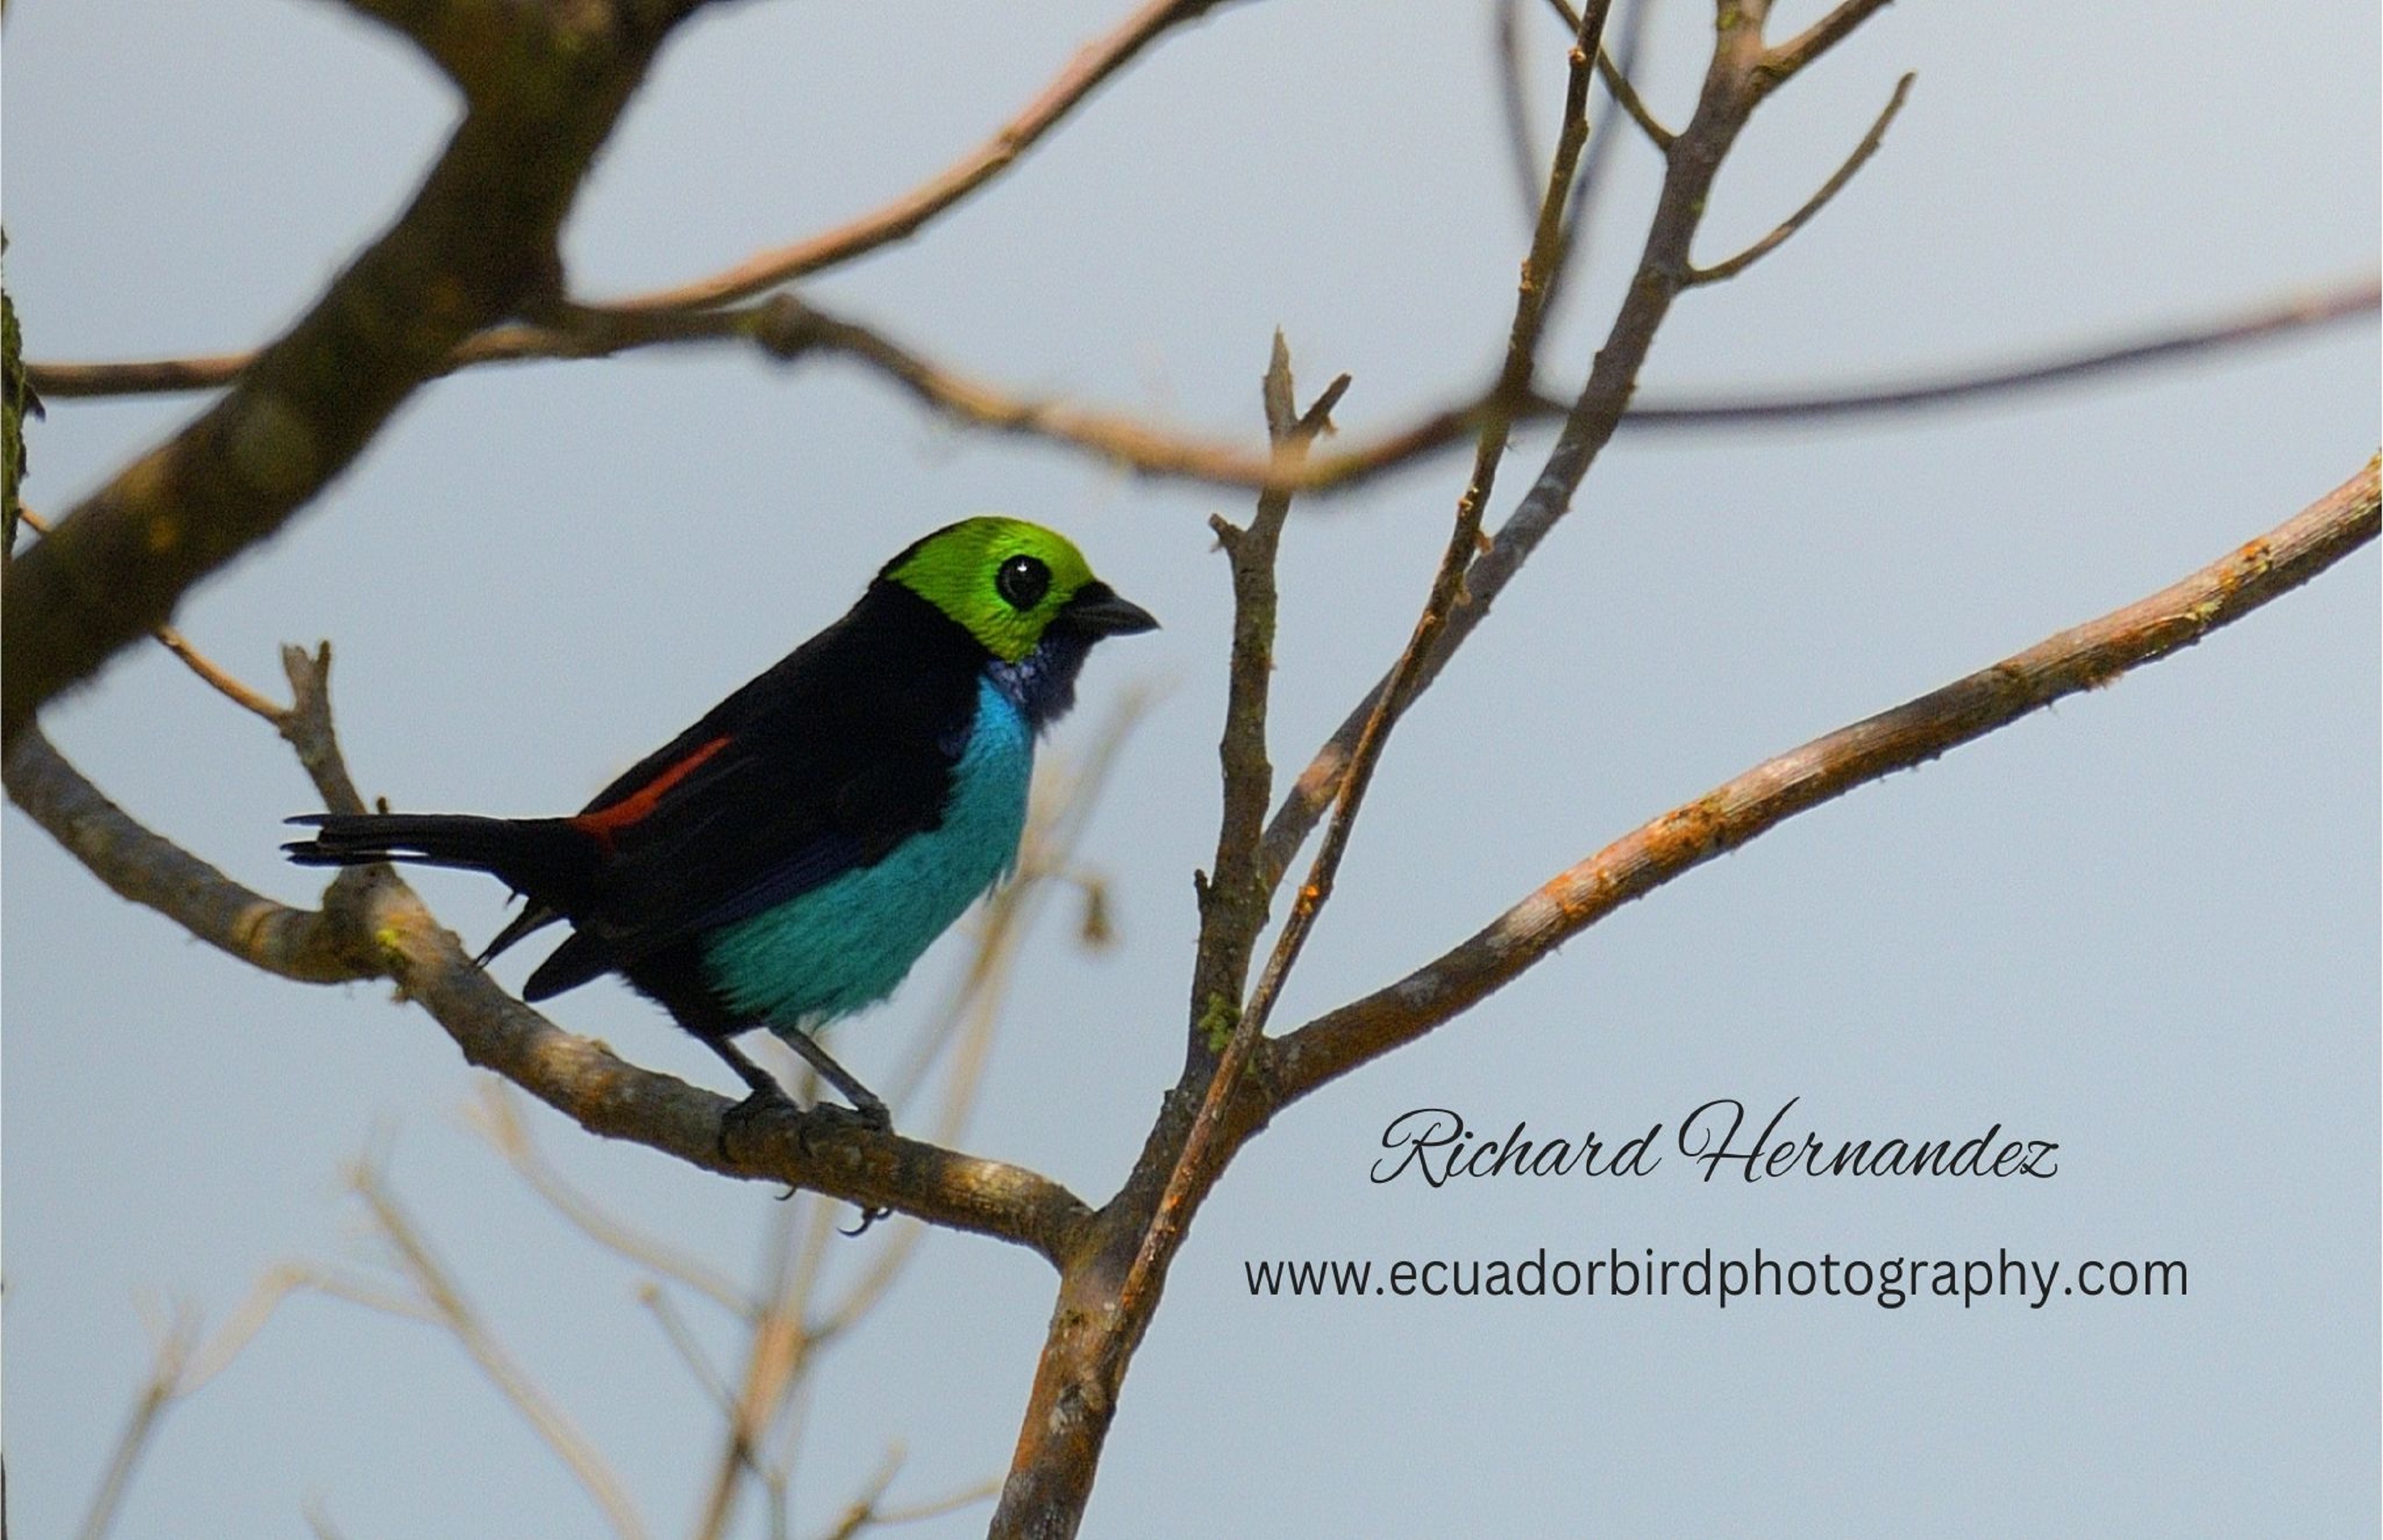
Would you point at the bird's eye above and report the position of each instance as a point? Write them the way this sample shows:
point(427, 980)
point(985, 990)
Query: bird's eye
point(1023, 581)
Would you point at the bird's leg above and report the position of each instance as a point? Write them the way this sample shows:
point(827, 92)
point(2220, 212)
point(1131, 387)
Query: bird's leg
point(866, 1104)
point(873, 1112)
point(767, 1097)
point(765, 1087)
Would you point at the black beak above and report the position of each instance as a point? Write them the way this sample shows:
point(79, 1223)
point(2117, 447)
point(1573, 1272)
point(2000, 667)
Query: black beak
point(1097, 609)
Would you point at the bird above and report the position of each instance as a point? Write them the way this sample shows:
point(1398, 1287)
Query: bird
point(784, 861)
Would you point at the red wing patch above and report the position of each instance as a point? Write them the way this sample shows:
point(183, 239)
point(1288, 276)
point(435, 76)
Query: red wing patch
point(606, 821)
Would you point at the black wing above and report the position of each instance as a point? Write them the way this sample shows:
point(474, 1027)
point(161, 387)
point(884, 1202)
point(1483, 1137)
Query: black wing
point(822, 764)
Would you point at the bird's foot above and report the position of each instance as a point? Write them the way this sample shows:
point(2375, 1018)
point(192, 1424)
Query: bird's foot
point(874, 1115)
point(739, 1121)
point(827, 1117)
point(870, 1117)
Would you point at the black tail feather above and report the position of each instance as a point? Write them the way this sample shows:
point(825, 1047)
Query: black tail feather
point(543, 859)
point(427, 839)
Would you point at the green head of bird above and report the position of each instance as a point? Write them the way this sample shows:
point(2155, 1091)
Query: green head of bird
point(1008, 582)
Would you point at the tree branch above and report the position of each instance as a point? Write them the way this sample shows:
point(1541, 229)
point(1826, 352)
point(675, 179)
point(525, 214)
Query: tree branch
point(2293, 312)
point(1782, 63)
point(791, 328)
point(455, 1313)
point(1109, 1297)
point(2083, 657)
point(1728, 98)
point(372, 925)
point(476, 243)
point(325, 946)
point(1733, 266)
point(457, 48)
point(905, 217)
point(1617, 81)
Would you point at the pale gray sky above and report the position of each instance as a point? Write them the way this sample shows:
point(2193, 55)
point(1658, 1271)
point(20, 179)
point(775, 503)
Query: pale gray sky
point(2142, 925)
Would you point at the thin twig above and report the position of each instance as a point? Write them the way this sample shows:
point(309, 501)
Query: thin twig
point(1730, 93)
point(174, 1349)
point(1616, 78)
point(1512, 97)
point(935, 1508)
point(1733, 266)
point(1094, 63)
point(1782, 62)
point(1587, 182)
point(184, 1362)
point(681, 1337)
point(2305, 311)
point(217, 677)
point(317, 1514)
point(499, 1121)
point(862, 1512)
point(438, 1287)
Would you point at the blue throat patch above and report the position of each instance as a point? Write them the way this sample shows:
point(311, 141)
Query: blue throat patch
point(847, 942)
point(1043, 683)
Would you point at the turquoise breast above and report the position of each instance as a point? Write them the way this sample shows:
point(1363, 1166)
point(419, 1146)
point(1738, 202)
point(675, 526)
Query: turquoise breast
point(847, 942)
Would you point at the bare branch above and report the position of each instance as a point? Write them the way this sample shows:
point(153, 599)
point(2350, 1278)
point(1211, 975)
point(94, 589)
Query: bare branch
point(1617, 81)
point(477, 244)
point(311, 946)
point(1731, 267)
point(905, 217)
point(1196, 1167)
point(216, 677)
point(2294, 313)
point(1098, 1323)
point(791, 328)
point(1521, 154)
point(438, 1287)
point(1722, 107)
point(183, 1364)
point(1781, 63)
point(2088, 656)
point(1092, 64)
point(1233, 902)
point(499, 1121)
point(372, 925)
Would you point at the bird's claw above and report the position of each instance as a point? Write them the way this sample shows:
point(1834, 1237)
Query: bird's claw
point(870, 1116)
